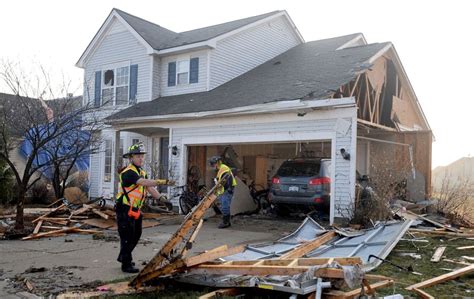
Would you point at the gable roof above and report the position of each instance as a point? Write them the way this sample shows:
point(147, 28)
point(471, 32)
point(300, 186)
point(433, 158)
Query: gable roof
point(313, 70)
point(157, 38)
point(161, 38)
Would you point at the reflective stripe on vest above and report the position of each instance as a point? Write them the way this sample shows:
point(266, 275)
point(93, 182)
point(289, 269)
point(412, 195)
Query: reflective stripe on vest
point(222, 170)
point(136, 193)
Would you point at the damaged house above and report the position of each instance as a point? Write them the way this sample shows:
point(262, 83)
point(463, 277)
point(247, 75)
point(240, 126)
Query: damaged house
point(254, 90)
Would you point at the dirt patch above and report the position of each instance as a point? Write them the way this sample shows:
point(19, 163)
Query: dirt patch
point(44, 282)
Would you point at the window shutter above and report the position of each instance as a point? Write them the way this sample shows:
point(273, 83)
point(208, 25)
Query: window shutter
point(172, 74)
point(97, 89)
point(194, 70)
point(133, 84)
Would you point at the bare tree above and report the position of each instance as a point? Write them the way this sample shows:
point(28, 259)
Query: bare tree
point(26, 120)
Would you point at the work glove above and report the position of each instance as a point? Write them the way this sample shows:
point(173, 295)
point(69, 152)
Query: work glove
point(165, 182)
point(170, 182)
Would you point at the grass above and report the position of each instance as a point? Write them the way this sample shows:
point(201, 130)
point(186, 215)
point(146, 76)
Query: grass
point(461, 287)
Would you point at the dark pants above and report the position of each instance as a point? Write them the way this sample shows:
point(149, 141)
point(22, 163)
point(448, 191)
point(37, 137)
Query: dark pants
point(130, 231)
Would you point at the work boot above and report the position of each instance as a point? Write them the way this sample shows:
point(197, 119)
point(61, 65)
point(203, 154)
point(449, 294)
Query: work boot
point(119, 259)
point(225, 221)
point(129, 268)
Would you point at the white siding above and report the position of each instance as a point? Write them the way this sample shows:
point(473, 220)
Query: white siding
point(244, 51)
point(156, 77)
point(185, 88)
point(116, 48)
point(248, 130)
point(95, 175)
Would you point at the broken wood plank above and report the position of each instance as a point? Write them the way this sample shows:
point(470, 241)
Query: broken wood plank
point(79, 211)
point(189, 244)
point(333, 294)
point(49, 213)
point(442, 278)
point(100, 223)
point(465, 247)
point(51, 233)
point(469, 258)
point(112, 289)
point(38, 227)
point(423, 294)
point(308, 247)
point(103, 215)
point(55, 202)
point(212, 255)
point(433, 222)
point(440, 233)
point(221, 293)
point(456, 262)
point(438, 254)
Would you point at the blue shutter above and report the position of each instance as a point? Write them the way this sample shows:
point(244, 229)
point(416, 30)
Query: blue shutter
point(97, 89)
point(194, 70)
point(133, 84)
point(172, 74)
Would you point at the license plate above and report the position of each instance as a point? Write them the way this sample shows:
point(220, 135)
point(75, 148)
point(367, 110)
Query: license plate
point(293, 189)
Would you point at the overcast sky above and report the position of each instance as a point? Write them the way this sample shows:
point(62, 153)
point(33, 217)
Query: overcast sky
point(435, 41)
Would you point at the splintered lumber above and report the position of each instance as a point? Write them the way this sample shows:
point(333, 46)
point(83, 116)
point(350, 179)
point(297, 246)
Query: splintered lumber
point(333, 294)
point(100, 223)
point(38, 227)
point(465, 247)
point(168, 259)
point(212, 255)
point(79, 211)
point(433, 222)
point(189, 244)
point(55, 202)
point(103, 215)
point(440, 233)
point(280, 267)
point(221, 293)
point(49, 213)
point(438, 254)
point(112, 289)
point(423, 294)
point(309, 246)
point(442, 278)
point(51, 233)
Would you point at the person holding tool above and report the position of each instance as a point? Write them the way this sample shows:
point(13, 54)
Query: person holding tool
point(226, 192)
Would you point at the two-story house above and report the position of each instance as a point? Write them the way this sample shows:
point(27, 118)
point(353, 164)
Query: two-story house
point(255, 86)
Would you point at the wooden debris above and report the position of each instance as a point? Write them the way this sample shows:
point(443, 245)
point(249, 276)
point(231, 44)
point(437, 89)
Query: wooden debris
point(423, 294)
point(50, 212)
point(456, 262)
point(308, 247)
point(103, 215)
point(465, 247)
point(442, 278)
point(189, 244)
point(51, 233)
point(438, 254)
point(212, 255)
point(37, 227)
point(433, 222)
point(440, 233)
point(221, 293)
point(469, 258)
point(28, 285)
point(355, 293)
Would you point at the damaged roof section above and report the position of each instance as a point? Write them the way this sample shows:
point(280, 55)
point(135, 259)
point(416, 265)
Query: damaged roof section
point(314, 70)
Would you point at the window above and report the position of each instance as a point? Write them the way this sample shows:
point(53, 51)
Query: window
point(115, 86)
point(108, 161)
point(182, 72)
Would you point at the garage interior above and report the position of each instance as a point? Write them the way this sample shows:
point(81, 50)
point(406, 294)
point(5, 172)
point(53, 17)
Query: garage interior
point(256, 162)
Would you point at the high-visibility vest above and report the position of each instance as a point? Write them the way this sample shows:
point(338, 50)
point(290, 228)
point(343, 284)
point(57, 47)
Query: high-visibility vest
point(136, 193)
point(222, 170)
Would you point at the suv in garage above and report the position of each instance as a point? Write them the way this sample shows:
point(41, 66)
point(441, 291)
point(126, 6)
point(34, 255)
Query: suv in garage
point(302, 183)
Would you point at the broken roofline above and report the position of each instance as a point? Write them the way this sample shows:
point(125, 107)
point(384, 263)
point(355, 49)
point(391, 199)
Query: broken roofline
point(278, 106)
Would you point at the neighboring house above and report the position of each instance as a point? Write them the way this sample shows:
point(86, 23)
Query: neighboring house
point(256, 85)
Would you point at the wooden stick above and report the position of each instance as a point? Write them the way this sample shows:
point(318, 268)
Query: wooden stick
point(440, 233)
point(49, 213)
point(212, 255)
point(189, 244)
point(438, 254)
point(433, 222)
point(352, 294)
point(465, 247)
point(38, 227)
point(105, 216)
point(55, 202)
point(423, 294)
point(308, 247)
point(442, 278)
point(47, 234)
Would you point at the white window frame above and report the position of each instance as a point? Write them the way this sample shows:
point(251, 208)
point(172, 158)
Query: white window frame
point(177, 60)
point(115, 67)
point(105, 161)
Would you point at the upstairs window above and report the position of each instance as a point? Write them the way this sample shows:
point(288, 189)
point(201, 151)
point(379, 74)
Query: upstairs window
point(116, 86)
point(182, 72)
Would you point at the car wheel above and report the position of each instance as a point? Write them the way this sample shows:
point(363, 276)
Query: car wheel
point(281, 210)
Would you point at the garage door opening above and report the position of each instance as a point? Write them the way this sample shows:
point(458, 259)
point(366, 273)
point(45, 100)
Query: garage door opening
point(260, 169)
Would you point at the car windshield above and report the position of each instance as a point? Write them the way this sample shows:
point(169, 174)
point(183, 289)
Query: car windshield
point(299, 169)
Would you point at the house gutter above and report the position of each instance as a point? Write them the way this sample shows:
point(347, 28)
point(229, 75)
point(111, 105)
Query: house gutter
point(274, 107)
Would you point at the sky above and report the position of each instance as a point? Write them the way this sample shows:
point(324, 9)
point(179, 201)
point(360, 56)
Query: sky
point(434, 39)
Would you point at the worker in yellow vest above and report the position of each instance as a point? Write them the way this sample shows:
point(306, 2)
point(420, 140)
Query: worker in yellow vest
point(226, 192)
point(132, 189)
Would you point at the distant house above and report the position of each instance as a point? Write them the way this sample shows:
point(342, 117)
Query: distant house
point(253, 85)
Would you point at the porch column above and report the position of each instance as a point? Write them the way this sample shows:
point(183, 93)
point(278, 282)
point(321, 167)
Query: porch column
point(116, 148)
